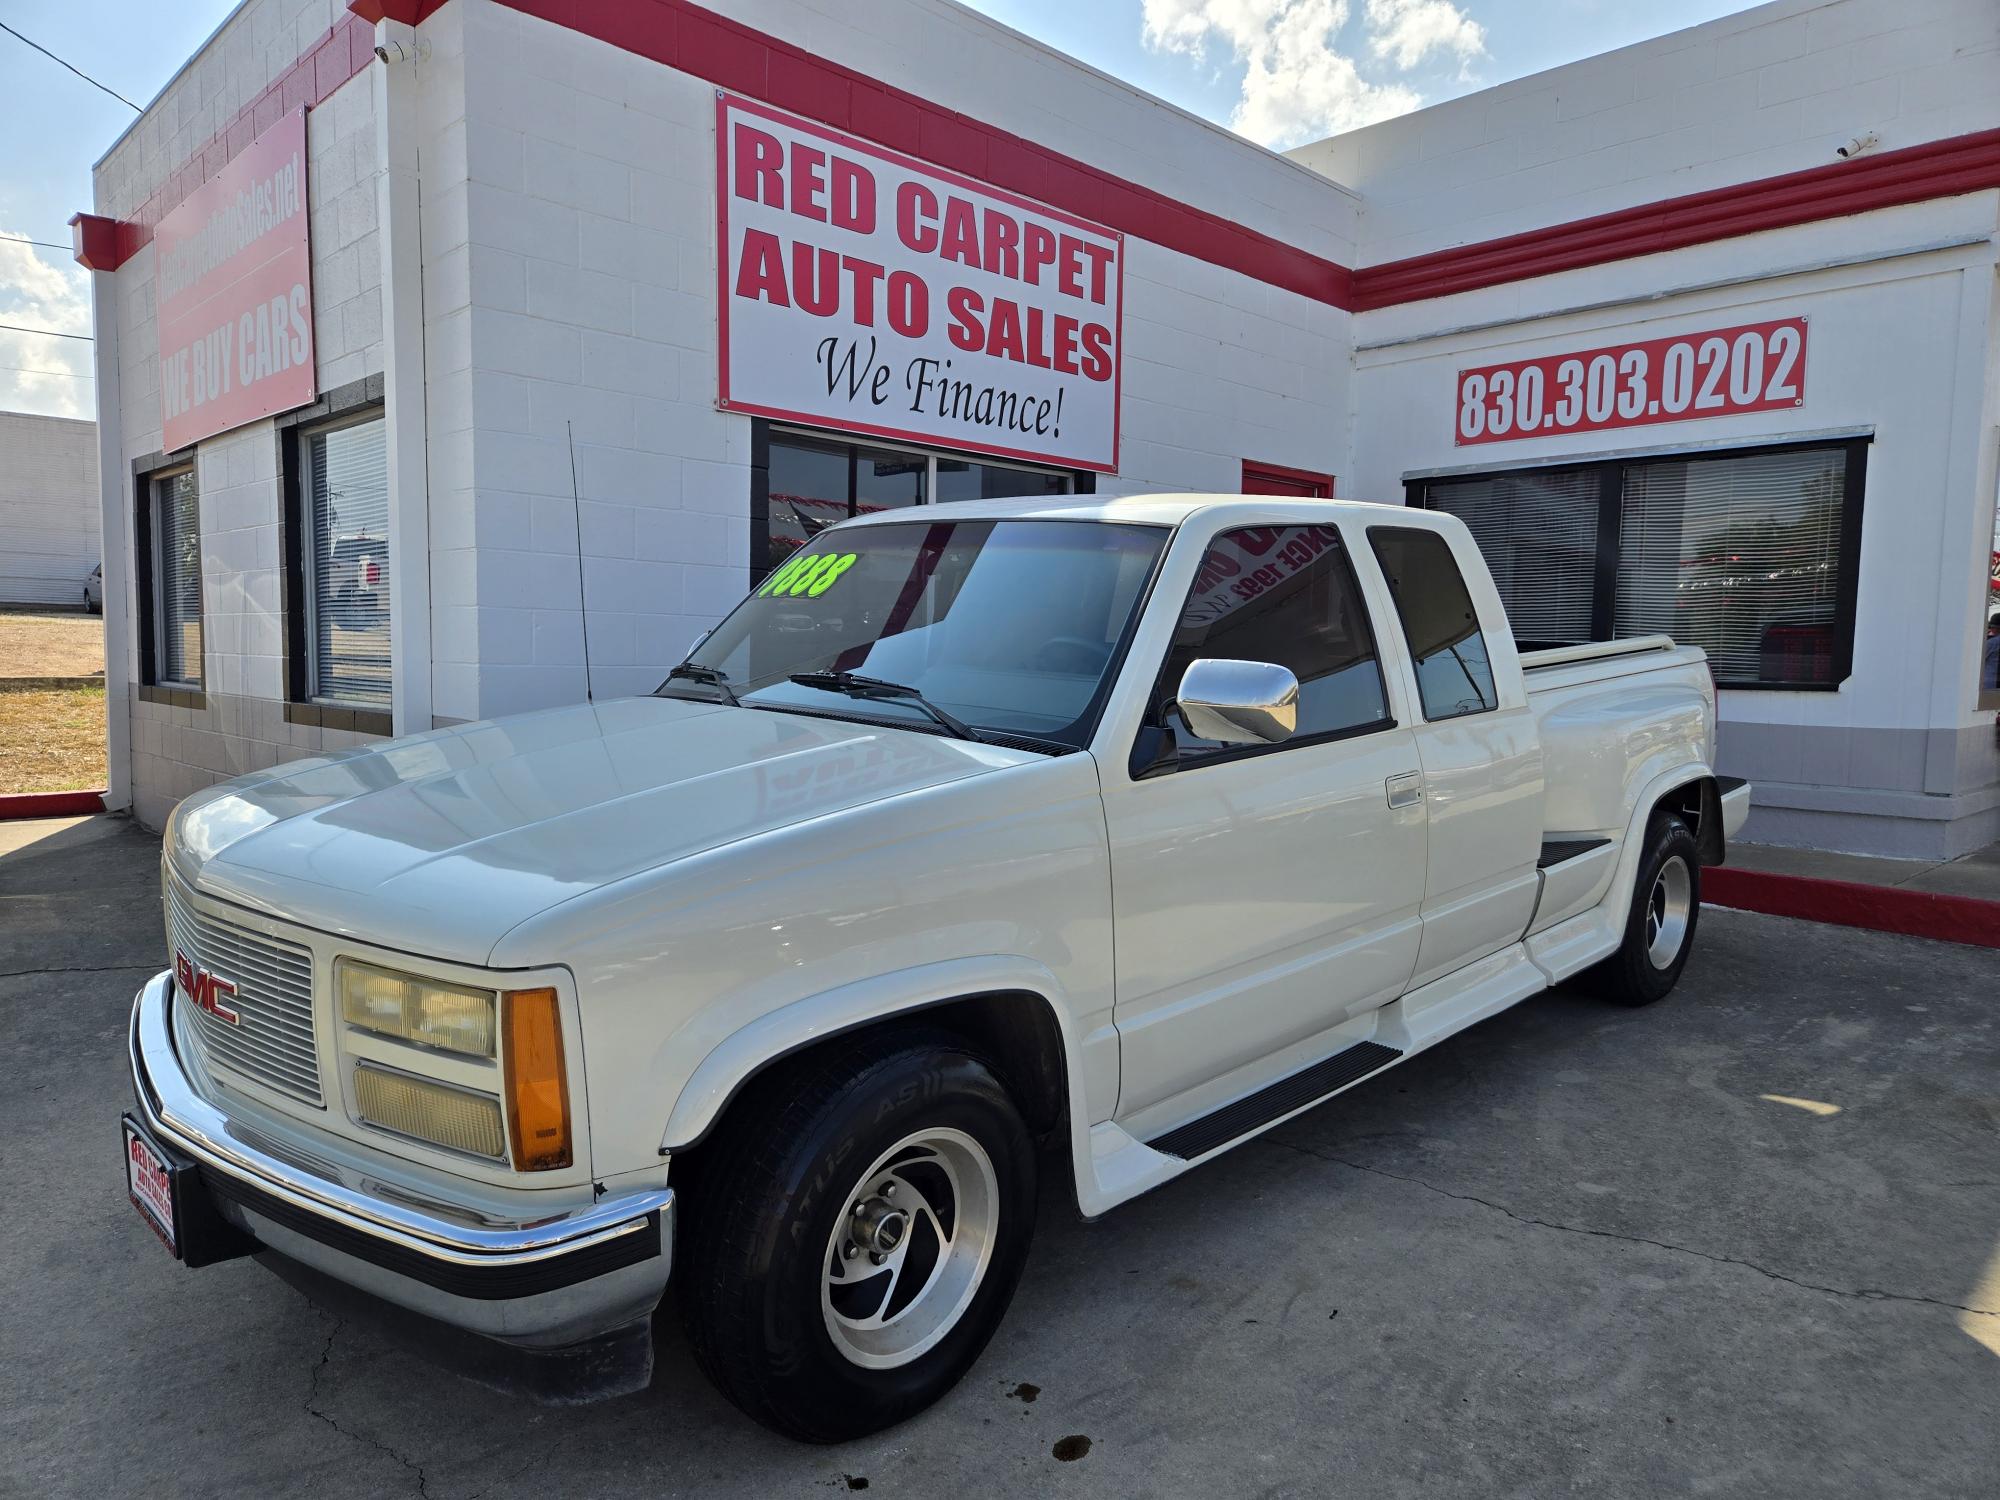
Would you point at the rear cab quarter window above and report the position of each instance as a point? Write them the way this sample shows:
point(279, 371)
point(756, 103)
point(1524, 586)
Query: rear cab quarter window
point(1454, 668)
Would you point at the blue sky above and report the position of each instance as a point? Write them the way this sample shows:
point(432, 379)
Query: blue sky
point(1280, 71)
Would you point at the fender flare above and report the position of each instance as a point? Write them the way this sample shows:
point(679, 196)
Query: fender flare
point(1658, 790)
point(719, 1076)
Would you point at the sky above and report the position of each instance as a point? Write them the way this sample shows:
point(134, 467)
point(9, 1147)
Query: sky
point(1278, 71)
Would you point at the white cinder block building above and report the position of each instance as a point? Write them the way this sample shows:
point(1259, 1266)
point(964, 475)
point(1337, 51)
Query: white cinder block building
point(458, 359)
point(49, 511)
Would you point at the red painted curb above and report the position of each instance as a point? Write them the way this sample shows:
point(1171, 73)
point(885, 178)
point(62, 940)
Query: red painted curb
point(1844, 903)
point(50, 804)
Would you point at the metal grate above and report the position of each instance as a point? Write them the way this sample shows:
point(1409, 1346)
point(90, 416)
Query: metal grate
point(272, 1042)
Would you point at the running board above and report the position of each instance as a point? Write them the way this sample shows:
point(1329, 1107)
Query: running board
point(1557, 851)
point(1253, 1111)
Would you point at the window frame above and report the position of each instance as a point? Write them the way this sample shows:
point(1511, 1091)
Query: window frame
point(356, 402)
point(1141, 762)
point(1610, 472)
point(151, 622)
point(1420, 708)
point(763, 430)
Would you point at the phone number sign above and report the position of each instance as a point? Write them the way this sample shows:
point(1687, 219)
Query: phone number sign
point(1720, 373)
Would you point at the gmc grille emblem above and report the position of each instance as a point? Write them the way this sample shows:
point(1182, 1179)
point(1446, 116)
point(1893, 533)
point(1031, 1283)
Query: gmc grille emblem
point(208, 991)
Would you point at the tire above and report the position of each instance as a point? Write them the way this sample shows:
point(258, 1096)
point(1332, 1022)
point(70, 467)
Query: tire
point(780, 1314)
point(1659, 929)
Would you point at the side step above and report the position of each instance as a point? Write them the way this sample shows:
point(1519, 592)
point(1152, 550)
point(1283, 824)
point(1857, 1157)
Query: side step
point(1218, 1127)
point(1555, 851)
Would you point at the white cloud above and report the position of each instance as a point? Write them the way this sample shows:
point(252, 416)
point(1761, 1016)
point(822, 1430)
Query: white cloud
point(1408, 31)
point(39, 373)
point(1297, 83)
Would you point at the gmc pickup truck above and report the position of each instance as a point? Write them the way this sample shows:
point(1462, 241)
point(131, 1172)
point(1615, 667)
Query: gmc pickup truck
point(1006, 838)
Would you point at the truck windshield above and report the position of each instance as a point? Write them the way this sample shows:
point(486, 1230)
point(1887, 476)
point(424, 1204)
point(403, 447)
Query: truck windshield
point(1003, 628)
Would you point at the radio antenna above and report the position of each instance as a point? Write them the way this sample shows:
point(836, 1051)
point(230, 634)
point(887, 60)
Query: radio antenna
point(582, 605)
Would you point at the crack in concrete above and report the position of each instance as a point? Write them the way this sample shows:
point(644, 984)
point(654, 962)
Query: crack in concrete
point(311, 1406)
point(1862, 1294)
point(81, 969)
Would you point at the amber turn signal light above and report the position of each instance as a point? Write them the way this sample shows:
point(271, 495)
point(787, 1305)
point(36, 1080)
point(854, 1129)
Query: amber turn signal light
point(537, 1087)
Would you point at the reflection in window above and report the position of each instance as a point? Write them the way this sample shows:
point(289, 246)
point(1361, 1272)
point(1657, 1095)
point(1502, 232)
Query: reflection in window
point(1454, 672)
point(1537, 531)
point(815, 481)
point(347, 492)
point(1286, 595)
point(177, 579)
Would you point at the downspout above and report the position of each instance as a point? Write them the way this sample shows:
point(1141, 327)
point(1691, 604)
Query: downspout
point(114, 532)
point(398, 233)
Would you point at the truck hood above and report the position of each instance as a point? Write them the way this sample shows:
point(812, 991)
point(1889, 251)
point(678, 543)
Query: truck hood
point(439, 844)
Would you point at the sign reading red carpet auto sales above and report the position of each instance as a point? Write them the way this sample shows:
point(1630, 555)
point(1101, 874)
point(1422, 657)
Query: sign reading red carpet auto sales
point(862, 290)
point(1755, 367)
point(234, 292)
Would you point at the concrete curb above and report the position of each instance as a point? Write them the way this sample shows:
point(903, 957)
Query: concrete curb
point(49, 804)
point(1844, 903)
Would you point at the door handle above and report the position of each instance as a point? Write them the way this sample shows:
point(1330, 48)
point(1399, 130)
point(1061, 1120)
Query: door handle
point(1406, 789)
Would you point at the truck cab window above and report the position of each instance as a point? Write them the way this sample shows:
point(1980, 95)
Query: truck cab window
point(1454, 669)
point(1287, 595)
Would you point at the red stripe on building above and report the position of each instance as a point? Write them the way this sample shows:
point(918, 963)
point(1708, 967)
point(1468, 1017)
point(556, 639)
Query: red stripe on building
point(1951, 919)
point(1936, 169)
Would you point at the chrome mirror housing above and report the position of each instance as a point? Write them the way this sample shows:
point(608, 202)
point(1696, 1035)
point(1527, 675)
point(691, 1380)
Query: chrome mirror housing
point(1239, 702)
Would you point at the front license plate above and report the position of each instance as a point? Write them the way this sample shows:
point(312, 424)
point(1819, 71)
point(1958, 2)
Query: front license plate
point(150, 1181)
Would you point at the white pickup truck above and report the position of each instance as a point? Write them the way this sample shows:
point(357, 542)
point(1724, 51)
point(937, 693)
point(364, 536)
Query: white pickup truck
point(1007, 838)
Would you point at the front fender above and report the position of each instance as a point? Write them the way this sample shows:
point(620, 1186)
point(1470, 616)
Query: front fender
point(801, 1024)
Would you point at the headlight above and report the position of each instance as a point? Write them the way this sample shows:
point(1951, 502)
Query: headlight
point(429, 1111)
point(416, 1010)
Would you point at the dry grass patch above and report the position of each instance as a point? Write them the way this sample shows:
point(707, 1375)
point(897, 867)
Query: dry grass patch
point(52, 645)
point(51, 739)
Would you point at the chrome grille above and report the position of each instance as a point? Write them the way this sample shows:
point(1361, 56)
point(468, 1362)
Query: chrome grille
point(272, 1042)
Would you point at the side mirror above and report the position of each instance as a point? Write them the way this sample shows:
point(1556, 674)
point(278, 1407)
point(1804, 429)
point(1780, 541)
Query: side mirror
point(1239, 702)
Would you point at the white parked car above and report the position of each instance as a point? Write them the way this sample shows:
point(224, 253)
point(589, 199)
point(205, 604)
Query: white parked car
point(1007, 838)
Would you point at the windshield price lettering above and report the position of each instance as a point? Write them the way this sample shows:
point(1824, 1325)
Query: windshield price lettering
point(808, 576)
point(1757, 367)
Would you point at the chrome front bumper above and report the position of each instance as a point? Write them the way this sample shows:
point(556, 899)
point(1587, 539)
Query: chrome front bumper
point(544, 1283)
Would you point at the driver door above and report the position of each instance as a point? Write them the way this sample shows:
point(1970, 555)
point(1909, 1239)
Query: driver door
point(1262, 894)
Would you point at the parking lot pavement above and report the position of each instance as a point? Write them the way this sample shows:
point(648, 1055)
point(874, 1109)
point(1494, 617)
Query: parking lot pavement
point(1724, 1245)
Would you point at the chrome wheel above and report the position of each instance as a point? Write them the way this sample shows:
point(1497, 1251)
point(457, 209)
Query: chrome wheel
point(1667, 910)
point(910, 1248)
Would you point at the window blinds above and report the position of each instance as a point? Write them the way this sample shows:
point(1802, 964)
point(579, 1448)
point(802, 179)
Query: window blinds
point(1538, 533)
point(1739, 555)
point(348, 480)
point(179, 582)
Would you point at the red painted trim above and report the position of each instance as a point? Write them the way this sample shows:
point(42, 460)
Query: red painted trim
point(1936, 169)
point(1950, 919)
point(409, 12)
point(337, 56)
point(749, 62)
point(724, 103)
point(1252, 468)
point(49, 804)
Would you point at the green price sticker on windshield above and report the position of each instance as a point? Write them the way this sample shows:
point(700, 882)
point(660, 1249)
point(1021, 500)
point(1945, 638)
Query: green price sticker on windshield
point(808, 576)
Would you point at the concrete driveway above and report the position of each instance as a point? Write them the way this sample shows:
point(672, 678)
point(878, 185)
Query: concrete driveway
point(1725, 1245)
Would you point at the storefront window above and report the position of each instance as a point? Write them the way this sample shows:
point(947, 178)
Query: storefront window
point(1751, 555)
point(1989, 622)
point(347, 489)
point(815, 481)
point(176, 580)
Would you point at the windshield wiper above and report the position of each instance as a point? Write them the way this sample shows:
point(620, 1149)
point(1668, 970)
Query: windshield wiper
point(707, 676)
point(857, 686)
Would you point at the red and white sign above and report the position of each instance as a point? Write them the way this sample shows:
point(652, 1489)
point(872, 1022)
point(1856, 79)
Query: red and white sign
point(1754, 367)
point(234, 292)
point(862, 290)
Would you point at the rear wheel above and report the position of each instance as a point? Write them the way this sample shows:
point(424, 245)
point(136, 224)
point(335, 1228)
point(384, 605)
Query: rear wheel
point(863, 1226)
point(1659, 929)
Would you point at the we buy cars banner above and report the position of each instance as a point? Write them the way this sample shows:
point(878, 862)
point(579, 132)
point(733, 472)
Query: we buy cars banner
point(862, 290)
point(234, 292)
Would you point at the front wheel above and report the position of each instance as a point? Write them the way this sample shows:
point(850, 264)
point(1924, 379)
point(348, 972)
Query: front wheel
point(860, 1235)
point(1659, 929)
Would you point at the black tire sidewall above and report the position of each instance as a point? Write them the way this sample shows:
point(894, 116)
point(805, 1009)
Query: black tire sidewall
point(1641, 981)
point(810, 1384)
